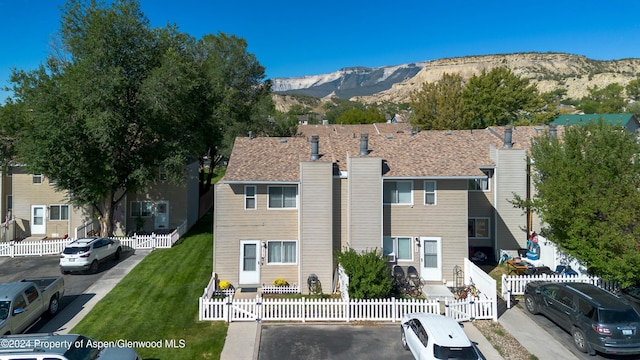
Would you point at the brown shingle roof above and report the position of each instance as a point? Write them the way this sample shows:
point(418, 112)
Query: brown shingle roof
point(434, 153)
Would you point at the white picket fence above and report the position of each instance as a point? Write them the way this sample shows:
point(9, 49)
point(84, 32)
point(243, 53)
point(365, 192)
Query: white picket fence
point(52, 247)
point(515, 284)
point(304, 309)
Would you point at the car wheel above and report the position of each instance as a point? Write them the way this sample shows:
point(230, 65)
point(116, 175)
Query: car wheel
point(94, 267)
point(118, 254)
point(530, 304)
point(65, 272)
point(53, 305)
point(404, 338)
point(580, 340)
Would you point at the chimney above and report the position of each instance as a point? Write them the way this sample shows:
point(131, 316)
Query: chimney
point(250, 135)
point(314, 147)
point(508, 137)
point(364, 144)
point(553, 132)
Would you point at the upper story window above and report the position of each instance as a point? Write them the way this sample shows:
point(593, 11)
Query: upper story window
point(429, 192)
point(59, 212)
point(397, 192)
point(249, 197)
point(282, 197)
point(141, 208)
point(481, 184)
point(162, 173)
point(479, 228)
point(37, 179)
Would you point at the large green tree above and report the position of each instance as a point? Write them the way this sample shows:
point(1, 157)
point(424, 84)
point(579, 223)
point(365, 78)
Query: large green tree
point(607, 100)
point(118, 99)
point(439, 105)
point(499, 97)
point(587, 193)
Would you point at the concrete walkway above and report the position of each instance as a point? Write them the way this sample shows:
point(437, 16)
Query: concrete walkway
point(63, 322)
point(533, 337)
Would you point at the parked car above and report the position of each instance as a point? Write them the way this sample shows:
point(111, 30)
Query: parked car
point(632, 295)
point(87, 254)
point(61, 347)
point(432, 336)
point(596, 319)
point(23, 303)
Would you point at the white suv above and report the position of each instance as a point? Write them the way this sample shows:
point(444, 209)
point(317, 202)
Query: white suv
point(87, 254)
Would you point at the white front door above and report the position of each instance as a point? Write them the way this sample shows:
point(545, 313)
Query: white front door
point(249, 262)
point(162, 215)
point(431, 258)
point(38, 217)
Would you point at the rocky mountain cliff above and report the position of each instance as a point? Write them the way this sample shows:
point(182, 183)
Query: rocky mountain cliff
point(549, 71)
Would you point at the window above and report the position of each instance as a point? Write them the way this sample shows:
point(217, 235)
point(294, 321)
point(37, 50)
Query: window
point(429, 192)
point(249, 197)
point(281, 252)
point(59, 212)
point(481, 184)
point(9, 202)
point(479, 228)
point(37, 179)
point(31, 294)
point(162, 173)
point(399, 246)
point(282, 197)
point(397, 192)
point(141, 208)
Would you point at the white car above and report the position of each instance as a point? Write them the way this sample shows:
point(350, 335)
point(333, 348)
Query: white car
point(87, 254)
point(61, 347)
point(432, 336)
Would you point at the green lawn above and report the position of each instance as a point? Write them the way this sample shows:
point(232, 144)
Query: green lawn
point(158, 300)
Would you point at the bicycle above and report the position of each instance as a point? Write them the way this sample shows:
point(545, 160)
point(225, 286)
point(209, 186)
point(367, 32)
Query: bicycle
point(469, 290)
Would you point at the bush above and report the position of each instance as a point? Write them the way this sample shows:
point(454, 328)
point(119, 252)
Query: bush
point(280, 282)
point(368, 274)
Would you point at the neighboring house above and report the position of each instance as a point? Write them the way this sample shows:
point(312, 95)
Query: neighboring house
point(37, 210)
point(628, 121)
point(286, 205)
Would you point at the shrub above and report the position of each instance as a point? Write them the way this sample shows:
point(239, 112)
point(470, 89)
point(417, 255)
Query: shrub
point(368, 274)
point(280, 282)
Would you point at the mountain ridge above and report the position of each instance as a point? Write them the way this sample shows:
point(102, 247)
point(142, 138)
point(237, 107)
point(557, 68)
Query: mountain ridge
point(548, 71)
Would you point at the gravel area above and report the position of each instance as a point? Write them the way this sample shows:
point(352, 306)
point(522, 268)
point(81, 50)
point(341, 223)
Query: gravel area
point(507, 345)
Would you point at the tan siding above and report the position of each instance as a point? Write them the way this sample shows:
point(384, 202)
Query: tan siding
point(447, 220)
point(365, 203)
point(234, 223)
point(512, 178)
point(316, 206)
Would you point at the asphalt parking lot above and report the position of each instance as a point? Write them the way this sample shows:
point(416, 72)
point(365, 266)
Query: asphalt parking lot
point(331, 341)
point(18, 268)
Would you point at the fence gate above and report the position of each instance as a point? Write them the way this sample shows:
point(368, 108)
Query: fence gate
point(459, 310)
point(246, 310)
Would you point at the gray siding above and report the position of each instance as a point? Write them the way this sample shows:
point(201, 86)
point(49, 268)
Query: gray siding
point(316, 223)
point(364, 203)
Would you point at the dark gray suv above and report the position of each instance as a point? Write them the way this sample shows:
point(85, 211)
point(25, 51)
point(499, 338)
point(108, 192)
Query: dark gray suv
point(597, 319)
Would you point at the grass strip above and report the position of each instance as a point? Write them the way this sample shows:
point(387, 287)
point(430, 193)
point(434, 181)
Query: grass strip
point(158, 302)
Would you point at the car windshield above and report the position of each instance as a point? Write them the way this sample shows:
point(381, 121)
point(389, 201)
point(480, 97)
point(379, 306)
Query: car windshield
point(444, 352)
point(75, 250)
point(82, 349)
point(4, 309)
point(618, 316)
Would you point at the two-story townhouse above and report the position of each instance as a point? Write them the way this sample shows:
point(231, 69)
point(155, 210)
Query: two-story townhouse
point(286, 205)
point(38, 210)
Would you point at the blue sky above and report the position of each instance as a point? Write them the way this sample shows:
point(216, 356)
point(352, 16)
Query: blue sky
point(296, 38)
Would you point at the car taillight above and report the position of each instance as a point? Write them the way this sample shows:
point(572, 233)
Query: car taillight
point(86, 255)
point(602, 330)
